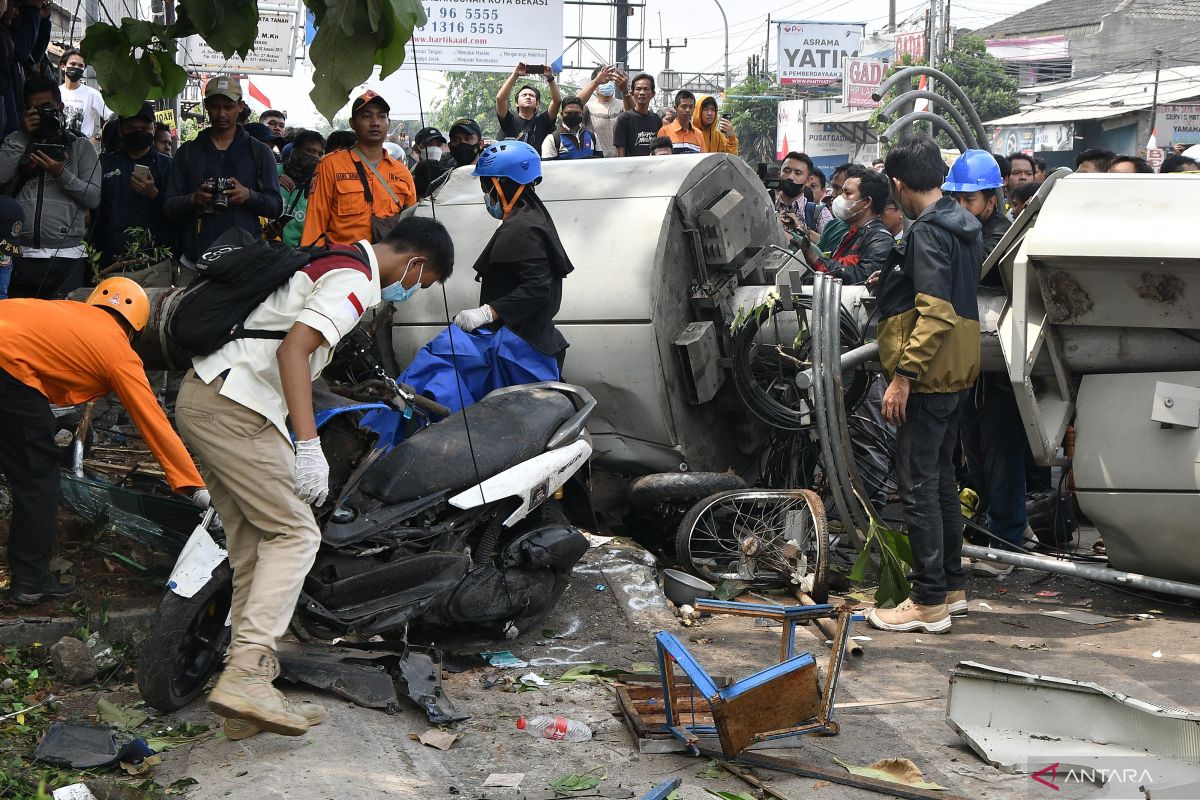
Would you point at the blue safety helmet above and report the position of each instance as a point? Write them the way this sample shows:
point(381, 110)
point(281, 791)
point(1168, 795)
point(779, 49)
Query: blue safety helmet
point(974, 171)
point(510, 159)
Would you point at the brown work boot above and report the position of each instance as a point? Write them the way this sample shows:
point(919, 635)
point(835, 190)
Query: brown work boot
point(910, 616)
point(244, 691)
point(236, 729)
point(956, 603)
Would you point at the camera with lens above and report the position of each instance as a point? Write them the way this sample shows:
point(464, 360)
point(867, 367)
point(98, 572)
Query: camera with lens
point(216, 189)
point(769, 177)
point(51, 123)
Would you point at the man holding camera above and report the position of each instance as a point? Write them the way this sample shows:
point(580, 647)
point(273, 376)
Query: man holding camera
point(223, 178)
point(55, 176)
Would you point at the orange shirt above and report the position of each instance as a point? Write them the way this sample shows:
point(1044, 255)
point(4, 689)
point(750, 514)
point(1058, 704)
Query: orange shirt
point(337, 204)
point(691, 139)
point(72, 353)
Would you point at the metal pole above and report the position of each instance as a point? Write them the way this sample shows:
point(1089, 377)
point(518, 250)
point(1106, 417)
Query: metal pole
point(622, 37)
point(767, 51)
point(1154, 103)
point(891, 16)
point(1093, 572)
point(726, 21)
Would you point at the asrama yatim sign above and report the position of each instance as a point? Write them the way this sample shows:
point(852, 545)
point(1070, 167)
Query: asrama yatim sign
point(812, 53)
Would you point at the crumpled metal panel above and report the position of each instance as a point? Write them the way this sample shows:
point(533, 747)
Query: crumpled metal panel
point(1021, 722)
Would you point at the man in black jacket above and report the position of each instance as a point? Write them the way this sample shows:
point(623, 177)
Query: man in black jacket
point(226, 154)
point(867, 244)
point(929, 349)
point(522, 267)
point(133, 186)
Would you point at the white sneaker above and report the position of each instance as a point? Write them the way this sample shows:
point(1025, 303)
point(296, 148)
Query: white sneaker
point(988, 569)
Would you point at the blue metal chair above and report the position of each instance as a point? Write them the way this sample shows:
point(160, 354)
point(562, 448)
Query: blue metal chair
point(783, 700)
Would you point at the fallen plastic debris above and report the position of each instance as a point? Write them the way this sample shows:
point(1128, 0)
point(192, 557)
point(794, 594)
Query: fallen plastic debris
point(79, 745)
point(436, 738)
point(505, 780)
point(503, 659)
point(1082, 617)
point(76, 791)
point(1157, 654)
point(895, 770)
point(533, 679)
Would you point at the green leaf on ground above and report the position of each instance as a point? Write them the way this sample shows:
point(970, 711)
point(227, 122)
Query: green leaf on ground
point(714, 770)
point(577, 782)
point(587, 672)
point(730, 795)
point(121, 718)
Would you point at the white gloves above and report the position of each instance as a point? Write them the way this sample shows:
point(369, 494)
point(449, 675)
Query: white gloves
point(471, 318)
point(312, 472)
point(202, 499)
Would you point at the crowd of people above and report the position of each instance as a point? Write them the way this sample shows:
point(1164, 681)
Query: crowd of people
point(77, 179)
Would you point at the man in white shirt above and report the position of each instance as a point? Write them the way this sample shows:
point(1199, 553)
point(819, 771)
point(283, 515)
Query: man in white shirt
point(602, 107)
point(233, 411)
point(84, 106)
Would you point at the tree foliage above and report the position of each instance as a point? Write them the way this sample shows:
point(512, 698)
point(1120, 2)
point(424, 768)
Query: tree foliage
point(473, 95)
point(755, 120)
point(136, 60)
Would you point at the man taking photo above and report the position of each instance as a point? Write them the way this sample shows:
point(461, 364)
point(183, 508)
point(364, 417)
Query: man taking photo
point(55, 177)
point(132, 189)
point(223, 178)
point(528, 124)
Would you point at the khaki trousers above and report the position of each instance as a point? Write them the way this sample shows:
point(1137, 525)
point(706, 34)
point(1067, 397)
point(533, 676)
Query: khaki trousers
point(271, 535)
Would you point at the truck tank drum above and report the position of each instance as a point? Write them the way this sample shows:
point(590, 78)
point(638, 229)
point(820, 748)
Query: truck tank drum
point(658, 245)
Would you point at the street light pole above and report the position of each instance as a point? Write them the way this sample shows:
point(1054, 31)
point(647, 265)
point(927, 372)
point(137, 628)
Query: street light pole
point(726, 21)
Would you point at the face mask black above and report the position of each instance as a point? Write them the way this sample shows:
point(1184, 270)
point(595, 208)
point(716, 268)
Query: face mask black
point(463, 153)
point(138, 140)
point(572, 120)
point(790, 188)
point(74, 73)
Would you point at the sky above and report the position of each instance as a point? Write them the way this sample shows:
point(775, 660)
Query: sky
point(698, 21)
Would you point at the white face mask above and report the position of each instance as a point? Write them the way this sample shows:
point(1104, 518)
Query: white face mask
point(433, 153)
point(842, 208)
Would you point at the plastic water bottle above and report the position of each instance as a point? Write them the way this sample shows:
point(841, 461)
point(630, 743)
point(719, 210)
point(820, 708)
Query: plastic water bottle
point(557, 728)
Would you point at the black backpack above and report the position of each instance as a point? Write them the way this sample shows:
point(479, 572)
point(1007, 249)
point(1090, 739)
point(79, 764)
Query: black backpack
point(237, 273)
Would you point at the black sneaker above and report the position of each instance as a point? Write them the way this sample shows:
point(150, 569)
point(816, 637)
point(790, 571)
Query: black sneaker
point(30, 594)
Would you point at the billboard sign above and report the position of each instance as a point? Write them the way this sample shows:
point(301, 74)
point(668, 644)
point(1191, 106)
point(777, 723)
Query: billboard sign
point(813, 53)
point(274, 51)
point(789, 131)
point(483, 36)
point(1053, 137)
point(863, 76)
point(911, 44)
point(1178, 124)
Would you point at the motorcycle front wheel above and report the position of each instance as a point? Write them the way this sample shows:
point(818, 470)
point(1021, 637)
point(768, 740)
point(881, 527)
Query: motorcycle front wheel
point(186, 642)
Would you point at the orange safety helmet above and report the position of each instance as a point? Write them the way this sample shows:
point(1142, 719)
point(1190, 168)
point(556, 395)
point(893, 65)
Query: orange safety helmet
point(124, 297)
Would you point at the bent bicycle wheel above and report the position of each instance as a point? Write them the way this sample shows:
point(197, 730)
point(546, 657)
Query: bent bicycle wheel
point(767, 538)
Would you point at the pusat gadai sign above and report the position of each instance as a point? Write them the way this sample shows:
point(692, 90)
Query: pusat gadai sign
point(811, 53)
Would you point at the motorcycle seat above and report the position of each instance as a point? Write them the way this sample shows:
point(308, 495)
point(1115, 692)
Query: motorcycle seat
point(505, 429)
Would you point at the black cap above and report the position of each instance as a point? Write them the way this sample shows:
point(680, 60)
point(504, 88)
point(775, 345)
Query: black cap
point(258, 130)
point(467, 124)
point(12, 220)
point(146, 112)
point(428, 134)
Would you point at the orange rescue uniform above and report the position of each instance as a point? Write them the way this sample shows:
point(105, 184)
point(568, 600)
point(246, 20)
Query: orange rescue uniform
point(71, 353)
point(337, 204)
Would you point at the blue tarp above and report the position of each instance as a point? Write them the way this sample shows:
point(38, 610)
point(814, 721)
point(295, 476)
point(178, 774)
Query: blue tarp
point(483, 360)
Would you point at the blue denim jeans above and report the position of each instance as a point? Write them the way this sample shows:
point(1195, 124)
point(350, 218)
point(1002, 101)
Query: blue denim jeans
point(5, 277)
point(925, 444)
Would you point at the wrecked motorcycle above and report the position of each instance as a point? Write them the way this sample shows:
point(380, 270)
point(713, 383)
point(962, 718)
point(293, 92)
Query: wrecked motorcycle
point(455, 524)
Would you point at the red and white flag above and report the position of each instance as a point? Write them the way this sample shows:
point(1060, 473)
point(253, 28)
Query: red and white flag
point(257, 95)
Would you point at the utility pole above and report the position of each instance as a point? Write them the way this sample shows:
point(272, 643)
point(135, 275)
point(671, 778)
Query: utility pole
point(948, 44)
point(622, 33)
point(1154, 103)
point(891, 16)
point(725, 20)
point(666, 45)
point(767, 50)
